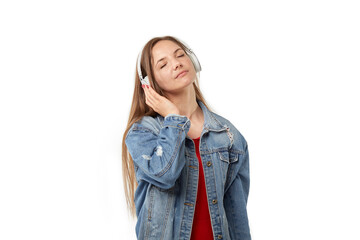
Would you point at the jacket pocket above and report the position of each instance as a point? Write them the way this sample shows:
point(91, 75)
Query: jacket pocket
point(228, 160)
point(228, 157)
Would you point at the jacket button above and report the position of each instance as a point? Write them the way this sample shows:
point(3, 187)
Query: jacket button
point(208, 163)
point(214, 202)
point(219, 236)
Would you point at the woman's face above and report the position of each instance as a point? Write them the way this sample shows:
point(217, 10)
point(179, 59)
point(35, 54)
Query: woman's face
point(173, 69)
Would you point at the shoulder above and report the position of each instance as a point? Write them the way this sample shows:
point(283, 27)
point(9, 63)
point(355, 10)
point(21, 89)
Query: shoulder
point(146, 124)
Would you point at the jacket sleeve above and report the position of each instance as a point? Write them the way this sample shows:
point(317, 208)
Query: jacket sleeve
point(156, 156)
point(235, 201)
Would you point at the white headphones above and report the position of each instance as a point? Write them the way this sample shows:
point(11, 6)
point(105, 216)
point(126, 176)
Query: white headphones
point(189, 52)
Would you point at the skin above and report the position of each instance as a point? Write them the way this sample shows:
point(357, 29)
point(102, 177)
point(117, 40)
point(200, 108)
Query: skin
point(180, 94)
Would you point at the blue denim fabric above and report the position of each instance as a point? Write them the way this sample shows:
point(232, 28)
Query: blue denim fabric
point(167, 172)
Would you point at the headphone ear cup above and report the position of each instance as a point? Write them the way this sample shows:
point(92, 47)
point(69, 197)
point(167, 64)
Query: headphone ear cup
point(145, 80)
point(195, 61)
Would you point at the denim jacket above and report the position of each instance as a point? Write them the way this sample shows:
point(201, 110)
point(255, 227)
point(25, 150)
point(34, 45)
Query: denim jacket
point(166, 168)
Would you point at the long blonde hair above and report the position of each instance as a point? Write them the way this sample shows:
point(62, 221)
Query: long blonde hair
point(139, 109)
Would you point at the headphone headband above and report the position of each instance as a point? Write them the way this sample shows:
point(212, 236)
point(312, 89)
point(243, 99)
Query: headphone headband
point(190, 53)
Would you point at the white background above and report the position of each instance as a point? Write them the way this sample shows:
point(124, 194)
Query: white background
point(285, 73)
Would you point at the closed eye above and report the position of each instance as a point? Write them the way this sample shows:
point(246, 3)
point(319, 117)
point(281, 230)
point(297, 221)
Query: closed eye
point(178, 56)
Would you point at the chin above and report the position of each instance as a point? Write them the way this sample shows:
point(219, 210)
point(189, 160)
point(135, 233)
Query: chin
point(180, 86)
point(187, 81)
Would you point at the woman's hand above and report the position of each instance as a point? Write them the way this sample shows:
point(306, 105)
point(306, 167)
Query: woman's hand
point(160, 104)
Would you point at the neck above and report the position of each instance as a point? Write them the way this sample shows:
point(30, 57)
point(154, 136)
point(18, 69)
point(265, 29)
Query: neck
point(185, 101)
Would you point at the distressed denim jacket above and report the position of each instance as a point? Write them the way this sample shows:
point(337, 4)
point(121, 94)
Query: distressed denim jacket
point(167, 173)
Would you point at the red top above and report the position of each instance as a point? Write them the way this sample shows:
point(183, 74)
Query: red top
point(201, 228)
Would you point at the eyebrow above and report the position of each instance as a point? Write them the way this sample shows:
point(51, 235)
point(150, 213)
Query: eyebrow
point(164, 57)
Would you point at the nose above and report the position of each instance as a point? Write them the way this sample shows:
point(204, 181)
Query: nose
point(177, 64)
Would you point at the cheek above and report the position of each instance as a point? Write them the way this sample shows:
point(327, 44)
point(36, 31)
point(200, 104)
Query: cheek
point(160, 78)
point(190, 63)
point(165, 74)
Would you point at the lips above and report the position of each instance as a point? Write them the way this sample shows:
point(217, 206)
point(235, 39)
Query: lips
point(181, 73)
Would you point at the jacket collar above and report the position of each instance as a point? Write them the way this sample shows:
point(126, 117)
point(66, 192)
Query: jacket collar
point(211, 121)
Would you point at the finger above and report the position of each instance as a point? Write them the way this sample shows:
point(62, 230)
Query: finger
point(149, 102)
point(145, 91)
point(154, 94)
point(149, 99)
point(150, 95)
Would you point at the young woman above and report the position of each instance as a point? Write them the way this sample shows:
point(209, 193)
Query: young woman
point(185, 168)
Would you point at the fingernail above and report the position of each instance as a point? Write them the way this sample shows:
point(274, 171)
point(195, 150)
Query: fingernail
point(142, 85)
point(147, 86)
